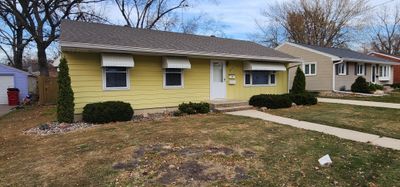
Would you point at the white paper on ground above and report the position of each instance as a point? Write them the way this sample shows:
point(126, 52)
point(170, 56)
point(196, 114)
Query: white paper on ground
point(325, 160)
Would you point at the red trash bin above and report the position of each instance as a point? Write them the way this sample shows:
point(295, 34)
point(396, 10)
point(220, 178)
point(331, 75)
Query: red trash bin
point(13, 96)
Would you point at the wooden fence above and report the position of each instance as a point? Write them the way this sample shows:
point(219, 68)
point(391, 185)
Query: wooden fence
point(48, 90)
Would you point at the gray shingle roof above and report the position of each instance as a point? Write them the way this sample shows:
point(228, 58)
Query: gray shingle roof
point(102, 34)
point(346, 54)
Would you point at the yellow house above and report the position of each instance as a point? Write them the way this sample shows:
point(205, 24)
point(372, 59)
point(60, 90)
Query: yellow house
point(157, 70)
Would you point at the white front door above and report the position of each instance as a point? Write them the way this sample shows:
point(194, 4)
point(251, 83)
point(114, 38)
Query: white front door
point(217, 80)
point(5, 82)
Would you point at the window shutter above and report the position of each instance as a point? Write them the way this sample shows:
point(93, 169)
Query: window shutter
point(365, 69)
point(337, 69)
point(355, 69)
point(347, 68)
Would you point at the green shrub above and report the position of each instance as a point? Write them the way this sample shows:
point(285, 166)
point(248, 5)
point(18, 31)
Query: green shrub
point(396, 85)
point(65, 100)
point(299, 82)
point(360, 85)
point(304, 99)
point(194, 108)
point(271, 101)
point(105, 112)
point(373, 87)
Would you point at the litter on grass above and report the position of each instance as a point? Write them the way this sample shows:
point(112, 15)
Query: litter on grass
point(325, 160)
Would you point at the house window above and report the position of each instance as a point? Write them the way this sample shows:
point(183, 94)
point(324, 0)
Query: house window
point(259, 78)
point(360, 69)
point(384, 71)
point(115, 78)
point(173, 78)
point(342, 69)
point(310, 69)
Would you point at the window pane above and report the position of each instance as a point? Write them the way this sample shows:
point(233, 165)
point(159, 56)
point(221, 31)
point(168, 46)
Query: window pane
point(260, 77)
point(247, 78)
point(307, 70)
point(273, 78)
point(173, 70)
point(115, 69)
point(312, 68)
point(115, 80)
point(173, 79)
point(217, 72)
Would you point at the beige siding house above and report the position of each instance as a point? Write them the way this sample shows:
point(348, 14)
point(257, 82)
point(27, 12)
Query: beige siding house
point(334, 69)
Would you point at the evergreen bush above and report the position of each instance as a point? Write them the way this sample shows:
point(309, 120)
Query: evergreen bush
point(106, 112)
point(360, 85)
point(65, 101)
point(299, 82)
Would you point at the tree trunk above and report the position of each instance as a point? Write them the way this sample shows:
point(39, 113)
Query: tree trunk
point(17, 58)
point(42, 60)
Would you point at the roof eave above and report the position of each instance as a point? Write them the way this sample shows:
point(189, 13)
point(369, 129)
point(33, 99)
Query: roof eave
point(369, 61)
point(333, 57)
point(73, 46)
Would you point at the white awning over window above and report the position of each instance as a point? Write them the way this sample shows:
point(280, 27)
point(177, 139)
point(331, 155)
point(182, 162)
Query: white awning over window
point(263, 66)
point(176, 62)
point(117, 60)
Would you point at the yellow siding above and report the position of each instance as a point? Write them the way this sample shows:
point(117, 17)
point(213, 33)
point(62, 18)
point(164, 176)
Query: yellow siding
point(241, 92)
point(146, 83)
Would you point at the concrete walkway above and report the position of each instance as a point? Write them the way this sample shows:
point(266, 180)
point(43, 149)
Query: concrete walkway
point(360, 103)
point(4, 109)
point(339, 132)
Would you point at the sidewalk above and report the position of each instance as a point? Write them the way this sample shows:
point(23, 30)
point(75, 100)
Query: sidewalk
point(360, 103)
point(339, 132)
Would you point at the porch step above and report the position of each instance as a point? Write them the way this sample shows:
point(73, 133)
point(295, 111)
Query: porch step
point(229, 105)
point(233, 109)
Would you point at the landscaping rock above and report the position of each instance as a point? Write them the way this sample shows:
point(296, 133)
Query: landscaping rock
point(57, 128)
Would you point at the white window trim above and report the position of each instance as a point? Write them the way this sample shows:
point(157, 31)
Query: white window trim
point(310, 74)
point(362, 69)
point(388, 72)
point(344, 70)
point(174, 87)
point(128, 82)
point(257, 85)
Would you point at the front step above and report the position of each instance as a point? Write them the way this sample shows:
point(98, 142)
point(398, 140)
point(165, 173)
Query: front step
point(233, 109)
point(229, 105)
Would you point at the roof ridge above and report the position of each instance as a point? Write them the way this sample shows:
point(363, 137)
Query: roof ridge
point(159, 31)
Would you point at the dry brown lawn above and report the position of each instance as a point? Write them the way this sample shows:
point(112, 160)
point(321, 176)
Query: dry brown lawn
point(212, 149)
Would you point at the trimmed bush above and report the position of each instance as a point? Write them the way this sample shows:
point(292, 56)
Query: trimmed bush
point(304, 99)
point(65, 100)
point(299, 82)
point(106, 112)
point(396, 86)
point(271, 101)
point(373, 87)
point(360, 85)
point(194, 108)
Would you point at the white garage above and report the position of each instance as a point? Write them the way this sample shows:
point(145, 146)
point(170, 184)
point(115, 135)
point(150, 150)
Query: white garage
point(6, 81)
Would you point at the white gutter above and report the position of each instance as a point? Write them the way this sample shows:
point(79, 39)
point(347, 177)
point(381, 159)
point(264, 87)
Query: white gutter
point(334, 75)
point(71, 46)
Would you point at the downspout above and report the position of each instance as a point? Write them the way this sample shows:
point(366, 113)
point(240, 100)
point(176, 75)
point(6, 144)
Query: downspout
point(334, 74)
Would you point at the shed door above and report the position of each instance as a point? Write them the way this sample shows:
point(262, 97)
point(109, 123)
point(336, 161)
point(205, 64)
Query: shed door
point(6, 81)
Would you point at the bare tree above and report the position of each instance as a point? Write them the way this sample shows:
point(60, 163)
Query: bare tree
point(42, 19)
point(386, 31)
point(316, 22)
point(14, 36)
point(147, 13)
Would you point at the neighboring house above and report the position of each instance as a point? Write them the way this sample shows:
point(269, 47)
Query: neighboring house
point(396, 68)
point(32, 66)
point(157, 70)
point(334, 69)
point(13, 78)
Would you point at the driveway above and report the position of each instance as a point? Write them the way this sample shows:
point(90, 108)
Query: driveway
point(4, 109)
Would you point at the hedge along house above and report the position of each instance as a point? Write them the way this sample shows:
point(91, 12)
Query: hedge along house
point(335, 69)
point(157, 70)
